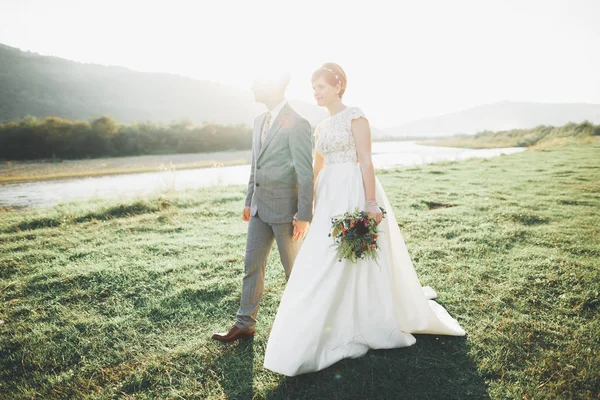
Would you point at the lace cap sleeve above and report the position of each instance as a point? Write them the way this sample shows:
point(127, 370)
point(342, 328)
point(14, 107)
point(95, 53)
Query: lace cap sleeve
point(354, 113)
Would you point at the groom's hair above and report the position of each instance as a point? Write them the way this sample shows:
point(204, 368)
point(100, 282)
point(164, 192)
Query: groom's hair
point(333, 74)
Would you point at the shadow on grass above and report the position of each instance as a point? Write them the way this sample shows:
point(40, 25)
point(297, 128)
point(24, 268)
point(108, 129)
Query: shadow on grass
point(235, 367)
point(125, 210)
point(435, 367)
point(119, 211)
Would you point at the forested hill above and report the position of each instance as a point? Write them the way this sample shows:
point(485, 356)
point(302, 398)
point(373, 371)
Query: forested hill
point(40, 86)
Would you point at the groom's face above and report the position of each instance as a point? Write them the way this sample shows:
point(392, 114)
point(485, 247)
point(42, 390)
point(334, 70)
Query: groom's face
point(267, 90)
point(264, 91)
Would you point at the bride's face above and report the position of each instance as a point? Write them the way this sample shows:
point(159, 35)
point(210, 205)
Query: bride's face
point(324, 93)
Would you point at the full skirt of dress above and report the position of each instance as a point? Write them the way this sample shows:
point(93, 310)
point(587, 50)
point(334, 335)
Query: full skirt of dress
point(332, 310)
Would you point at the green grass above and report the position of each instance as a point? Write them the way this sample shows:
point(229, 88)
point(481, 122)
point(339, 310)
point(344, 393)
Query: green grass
point(118, 300)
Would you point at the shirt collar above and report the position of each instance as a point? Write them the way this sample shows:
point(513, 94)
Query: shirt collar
point(275, 111)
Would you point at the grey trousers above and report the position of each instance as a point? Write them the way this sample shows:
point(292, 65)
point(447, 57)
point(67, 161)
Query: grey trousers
point(258, 246)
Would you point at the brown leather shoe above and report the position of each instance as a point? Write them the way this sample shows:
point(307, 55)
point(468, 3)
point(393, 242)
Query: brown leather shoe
point(234, 333)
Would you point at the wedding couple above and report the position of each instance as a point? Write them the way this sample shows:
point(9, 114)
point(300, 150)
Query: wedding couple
point(330, 309)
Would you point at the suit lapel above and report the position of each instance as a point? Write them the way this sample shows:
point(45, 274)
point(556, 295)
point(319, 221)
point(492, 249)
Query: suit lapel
point(257, 143)
point(277, 124)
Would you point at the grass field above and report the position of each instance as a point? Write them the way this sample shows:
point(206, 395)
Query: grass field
point(116, 299)
point(12, 171)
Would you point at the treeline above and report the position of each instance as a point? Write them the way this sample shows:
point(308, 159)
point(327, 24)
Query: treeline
point(541, 135)
point(56, 137)
point(531, 137)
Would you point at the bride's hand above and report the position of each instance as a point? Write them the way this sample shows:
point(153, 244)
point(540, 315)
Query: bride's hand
point(375, 211)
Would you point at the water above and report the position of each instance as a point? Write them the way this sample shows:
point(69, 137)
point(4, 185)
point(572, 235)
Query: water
point(48, 193)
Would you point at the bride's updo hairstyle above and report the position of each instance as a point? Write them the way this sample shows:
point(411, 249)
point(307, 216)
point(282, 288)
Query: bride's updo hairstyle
point(333, 74)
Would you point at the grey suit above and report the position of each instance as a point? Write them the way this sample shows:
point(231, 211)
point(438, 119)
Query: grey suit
point(280, 185)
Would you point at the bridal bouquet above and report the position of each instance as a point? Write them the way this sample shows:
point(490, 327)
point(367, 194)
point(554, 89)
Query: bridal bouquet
point(355, 235)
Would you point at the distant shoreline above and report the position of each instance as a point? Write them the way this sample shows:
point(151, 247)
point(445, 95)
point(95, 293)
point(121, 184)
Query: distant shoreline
point(12, 172)
point(409, 138)
point(48, 169)
point(30, 171)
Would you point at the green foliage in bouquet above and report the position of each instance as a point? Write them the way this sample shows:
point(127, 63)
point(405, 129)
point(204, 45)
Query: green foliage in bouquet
point(355, 235)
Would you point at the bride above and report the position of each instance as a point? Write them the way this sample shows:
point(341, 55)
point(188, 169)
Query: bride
point(332, 310)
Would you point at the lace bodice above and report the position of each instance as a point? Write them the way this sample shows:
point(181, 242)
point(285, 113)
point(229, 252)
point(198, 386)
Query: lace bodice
point(334, 139)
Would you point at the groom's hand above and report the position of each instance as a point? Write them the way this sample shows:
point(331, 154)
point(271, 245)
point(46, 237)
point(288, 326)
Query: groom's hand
point(246, 214)
point(300, 229)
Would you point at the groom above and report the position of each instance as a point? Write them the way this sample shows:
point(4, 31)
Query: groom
point(279, 199)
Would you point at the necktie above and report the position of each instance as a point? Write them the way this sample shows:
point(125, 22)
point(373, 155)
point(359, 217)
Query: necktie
point(265, 129)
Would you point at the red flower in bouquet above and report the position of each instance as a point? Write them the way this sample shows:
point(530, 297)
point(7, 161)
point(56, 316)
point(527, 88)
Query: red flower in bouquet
point(355, 235)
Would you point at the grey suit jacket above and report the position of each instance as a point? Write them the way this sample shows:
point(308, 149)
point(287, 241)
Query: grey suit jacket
point(281, 177)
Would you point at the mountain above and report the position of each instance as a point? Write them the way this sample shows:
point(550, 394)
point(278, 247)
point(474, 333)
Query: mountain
point(498, 117)
point(32, 84)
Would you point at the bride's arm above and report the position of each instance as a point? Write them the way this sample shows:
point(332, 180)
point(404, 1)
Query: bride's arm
point(317, 166)
point(362, 136)
point(318, 163)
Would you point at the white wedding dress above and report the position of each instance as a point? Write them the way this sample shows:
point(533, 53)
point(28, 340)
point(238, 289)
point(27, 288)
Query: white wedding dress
point(332, 310)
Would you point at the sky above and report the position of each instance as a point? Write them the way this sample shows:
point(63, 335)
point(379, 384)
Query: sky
point(405, 60)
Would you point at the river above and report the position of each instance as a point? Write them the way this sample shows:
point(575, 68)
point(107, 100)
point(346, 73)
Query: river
point(35, 194)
